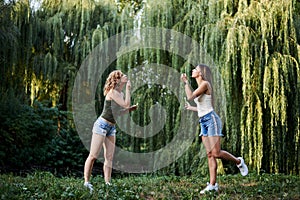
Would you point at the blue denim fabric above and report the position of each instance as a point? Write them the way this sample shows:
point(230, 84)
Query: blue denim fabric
point(103, 128)
point(211, 125)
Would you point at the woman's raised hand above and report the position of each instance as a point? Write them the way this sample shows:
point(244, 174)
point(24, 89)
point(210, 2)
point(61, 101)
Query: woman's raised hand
point(184, 78)
point(128, 85)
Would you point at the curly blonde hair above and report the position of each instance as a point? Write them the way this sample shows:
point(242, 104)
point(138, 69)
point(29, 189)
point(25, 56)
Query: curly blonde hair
point(112, 81)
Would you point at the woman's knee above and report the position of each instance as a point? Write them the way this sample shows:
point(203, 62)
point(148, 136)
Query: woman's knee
point(215, 154)
point(92, 157)
point(209, 154)
point(108, 160)
point(108, 157)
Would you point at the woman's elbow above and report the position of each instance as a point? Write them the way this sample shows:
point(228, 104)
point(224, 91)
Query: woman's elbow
point(127, 105)
point(190, 98)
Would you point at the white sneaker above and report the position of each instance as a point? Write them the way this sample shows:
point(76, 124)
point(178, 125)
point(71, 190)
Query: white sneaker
point(210, 187)
point(108, 183)
point(89, 186)
point(242, 167)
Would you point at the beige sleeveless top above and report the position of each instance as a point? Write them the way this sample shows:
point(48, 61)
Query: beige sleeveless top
point(204, 105)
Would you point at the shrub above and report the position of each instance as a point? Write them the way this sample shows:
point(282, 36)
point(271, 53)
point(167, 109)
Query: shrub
point(36, 136)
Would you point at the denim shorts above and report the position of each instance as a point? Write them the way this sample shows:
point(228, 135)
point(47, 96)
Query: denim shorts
point(104, 128)
point(211, 125)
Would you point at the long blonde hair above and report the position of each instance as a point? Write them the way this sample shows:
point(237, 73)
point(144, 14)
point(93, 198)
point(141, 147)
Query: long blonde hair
point(112, 81)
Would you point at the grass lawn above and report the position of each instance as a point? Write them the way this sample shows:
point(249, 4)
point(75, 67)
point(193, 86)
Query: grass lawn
point(44, 185)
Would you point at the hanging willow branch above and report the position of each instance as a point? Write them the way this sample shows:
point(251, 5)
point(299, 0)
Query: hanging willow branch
point(254, 44)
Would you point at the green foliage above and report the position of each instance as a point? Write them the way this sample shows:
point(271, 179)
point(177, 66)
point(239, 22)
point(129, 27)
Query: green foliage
point(66, 153)
point(135, 5)
point(254, 44)
point(37, 136)
point(44, 185)
point(19, 128)
point(8, 31)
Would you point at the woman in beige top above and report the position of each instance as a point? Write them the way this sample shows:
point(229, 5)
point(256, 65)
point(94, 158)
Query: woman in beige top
point(210, 123)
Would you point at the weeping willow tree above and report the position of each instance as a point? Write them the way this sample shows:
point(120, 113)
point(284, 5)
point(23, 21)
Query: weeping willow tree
point(254, 46)
point(53, 42)
point(261, 51)
point(9, 34)
point(256, 49)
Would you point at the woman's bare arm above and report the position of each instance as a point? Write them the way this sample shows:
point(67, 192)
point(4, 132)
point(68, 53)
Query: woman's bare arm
point(189, 107)
point(199, 91)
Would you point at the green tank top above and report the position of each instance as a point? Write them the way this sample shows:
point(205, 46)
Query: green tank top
point(108, 108)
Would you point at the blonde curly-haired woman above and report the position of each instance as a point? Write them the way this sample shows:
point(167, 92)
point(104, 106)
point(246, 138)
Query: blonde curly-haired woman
point(104, 129)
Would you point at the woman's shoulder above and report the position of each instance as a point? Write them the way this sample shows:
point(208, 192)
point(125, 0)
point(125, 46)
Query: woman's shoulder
point(207, 86)
point(205, 82)
point(113, 94)
point(109, 95)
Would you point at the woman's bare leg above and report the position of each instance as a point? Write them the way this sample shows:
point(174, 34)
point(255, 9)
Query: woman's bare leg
point(212, 165)
point(218, 153)
point(213, 150)
point(210, 144)
point(109, 149)
point(96, 145)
